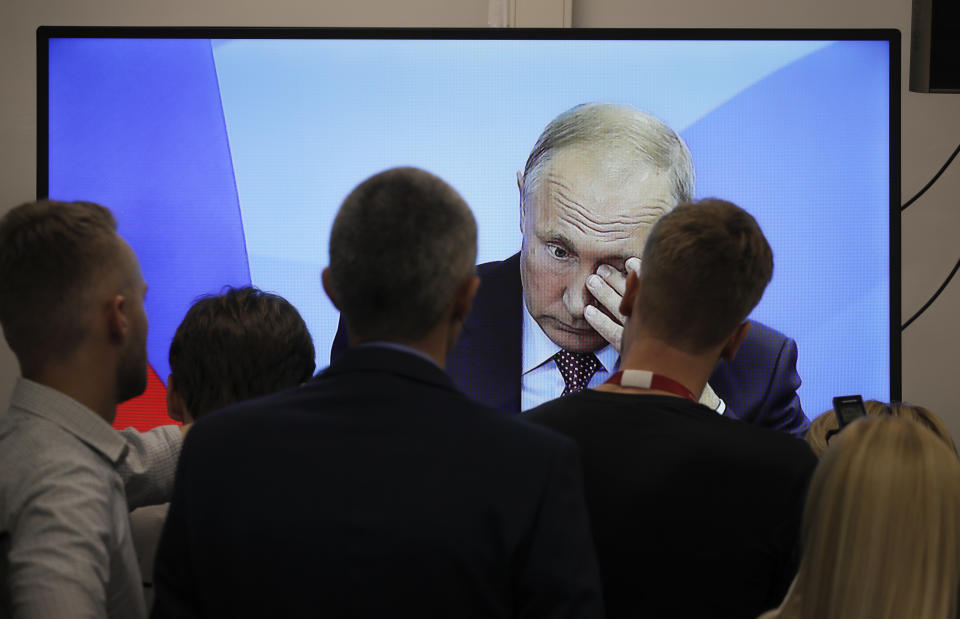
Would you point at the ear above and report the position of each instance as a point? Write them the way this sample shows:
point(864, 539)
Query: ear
point(630, 293)
point(328, 287)
point(117, 324)
point(464, 299)
point(175, 405)
point(729, 350)
point(520, 188)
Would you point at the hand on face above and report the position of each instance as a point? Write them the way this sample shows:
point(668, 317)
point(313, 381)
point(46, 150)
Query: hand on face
point(607, 286)
point(586, 211)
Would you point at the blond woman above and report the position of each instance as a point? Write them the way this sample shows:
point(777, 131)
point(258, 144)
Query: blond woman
point(881, 527)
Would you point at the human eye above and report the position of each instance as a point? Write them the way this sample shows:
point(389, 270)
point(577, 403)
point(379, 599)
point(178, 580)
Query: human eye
point(558, 251)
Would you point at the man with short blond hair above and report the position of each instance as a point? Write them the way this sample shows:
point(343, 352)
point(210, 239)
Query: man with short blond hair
point(694, 514)
point(71, 308)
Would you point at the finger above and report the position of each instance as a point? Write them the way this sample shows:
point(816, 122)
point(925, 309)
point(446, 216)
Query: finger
point(606, 295)
point(633, 264)
point(616, 279)
point(604, 325)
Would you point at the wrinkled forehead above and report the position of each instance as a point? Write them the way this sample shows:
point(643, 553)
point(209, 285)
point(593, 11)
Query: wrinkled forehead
point(600, 193)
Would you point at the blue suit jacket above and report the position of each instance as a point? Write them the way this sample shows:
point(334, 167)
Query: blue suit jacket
point(759, 386)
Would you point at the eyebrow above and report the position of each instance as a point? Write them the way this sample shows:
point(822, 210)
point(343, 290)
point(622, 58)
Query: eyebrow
point(561, 238)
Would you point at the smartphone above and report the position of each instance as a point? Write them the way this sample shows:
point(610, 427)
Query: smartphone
point(848, 408)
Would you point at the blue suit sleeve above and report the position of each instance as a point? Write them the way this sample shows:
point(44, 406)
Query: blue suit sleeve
point(783, 410)
point(760, 383)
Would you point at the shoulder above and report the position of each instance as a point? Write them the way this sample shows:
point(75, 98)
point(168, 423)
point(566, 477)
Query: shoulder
point(32, 449)
point(765, 352)
point(691, 426)
point(522, 429)
point(773, 452)
point(500, 278)
point(500, 267)
point(767, 337)
point(228, 424)
point(429, 408)
point(50, 474)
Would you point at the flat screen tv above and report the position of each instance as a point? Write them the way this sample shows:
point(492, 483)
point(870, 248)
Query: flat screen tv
point(225, 153)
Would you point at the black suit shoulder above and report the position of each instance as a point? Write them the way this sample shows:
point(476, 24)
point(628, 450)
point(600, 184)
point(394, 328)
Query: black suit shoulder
point(692, 425)
point(419, 400)
point(678, 494)
point(377, 489)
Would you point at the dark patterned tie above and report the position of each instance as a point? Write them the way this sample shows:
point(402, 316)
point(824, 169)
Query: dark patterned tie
point(577, 368)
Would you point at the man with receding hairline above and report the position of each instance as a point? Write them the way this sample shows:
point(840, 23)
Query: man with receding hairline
point(378, 489)
point(71, 308)
point(694, 514)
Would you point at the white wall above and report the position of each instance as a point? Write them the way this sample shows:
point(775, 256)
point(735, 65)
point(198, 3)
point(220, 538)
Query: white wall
point(930, 123)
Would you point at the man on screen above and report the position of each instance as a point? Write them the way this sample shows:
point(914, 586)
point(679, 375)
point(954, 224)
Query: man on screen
point(545, 321)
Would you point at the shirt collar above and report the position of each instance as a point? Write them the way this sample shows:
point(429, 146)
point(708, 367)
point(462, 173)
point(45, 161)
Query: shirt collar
point(402, 348)
point(65, 412)
point(538, 348)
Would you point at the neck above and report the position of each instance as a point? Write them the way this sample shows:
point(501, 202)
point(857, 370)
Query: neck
point(85, 380)
point(691, 371)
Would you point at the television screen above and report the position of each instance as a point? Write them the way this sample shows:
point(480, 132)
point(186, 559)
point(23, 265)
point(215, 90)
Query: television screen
point(225, 154)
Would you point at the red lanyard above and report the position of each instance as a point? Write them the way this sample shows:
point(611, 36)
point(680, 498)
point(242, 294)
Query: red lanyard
point(643, 379)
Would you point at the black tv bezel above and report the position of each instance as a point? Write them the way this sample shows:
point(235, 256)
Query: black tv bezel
point(890, 35)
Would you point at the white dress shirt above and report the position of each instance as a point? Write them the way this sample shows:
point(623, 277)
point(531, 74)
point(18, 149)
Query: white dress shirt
point(65, 543)
point(540, 379)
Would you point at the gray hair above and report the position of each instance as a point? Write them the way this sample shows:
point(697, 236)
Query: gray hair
point(401, 244)
point(621, 129)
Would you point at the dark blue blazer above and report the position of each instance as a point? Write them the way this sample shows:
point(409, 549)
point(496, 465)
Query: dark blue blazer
point(376, 490)
point(759, 386)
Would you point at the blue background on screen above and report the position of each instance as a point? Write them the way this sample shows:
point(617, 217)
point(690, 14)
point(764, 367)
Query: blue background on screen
point(137, 125)
point(225, 163)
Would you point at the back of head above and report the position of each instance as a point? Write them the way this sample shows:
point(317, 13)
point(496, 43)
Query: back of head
point(816, 436)
point(882, 525)
point(238, 345)
point(401, 244)
point(617, 133)
point(51, 256)
point(704, 268)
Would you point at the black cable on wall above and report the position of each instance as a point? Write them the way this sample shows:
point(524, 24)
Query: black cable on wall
point(956, 267)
